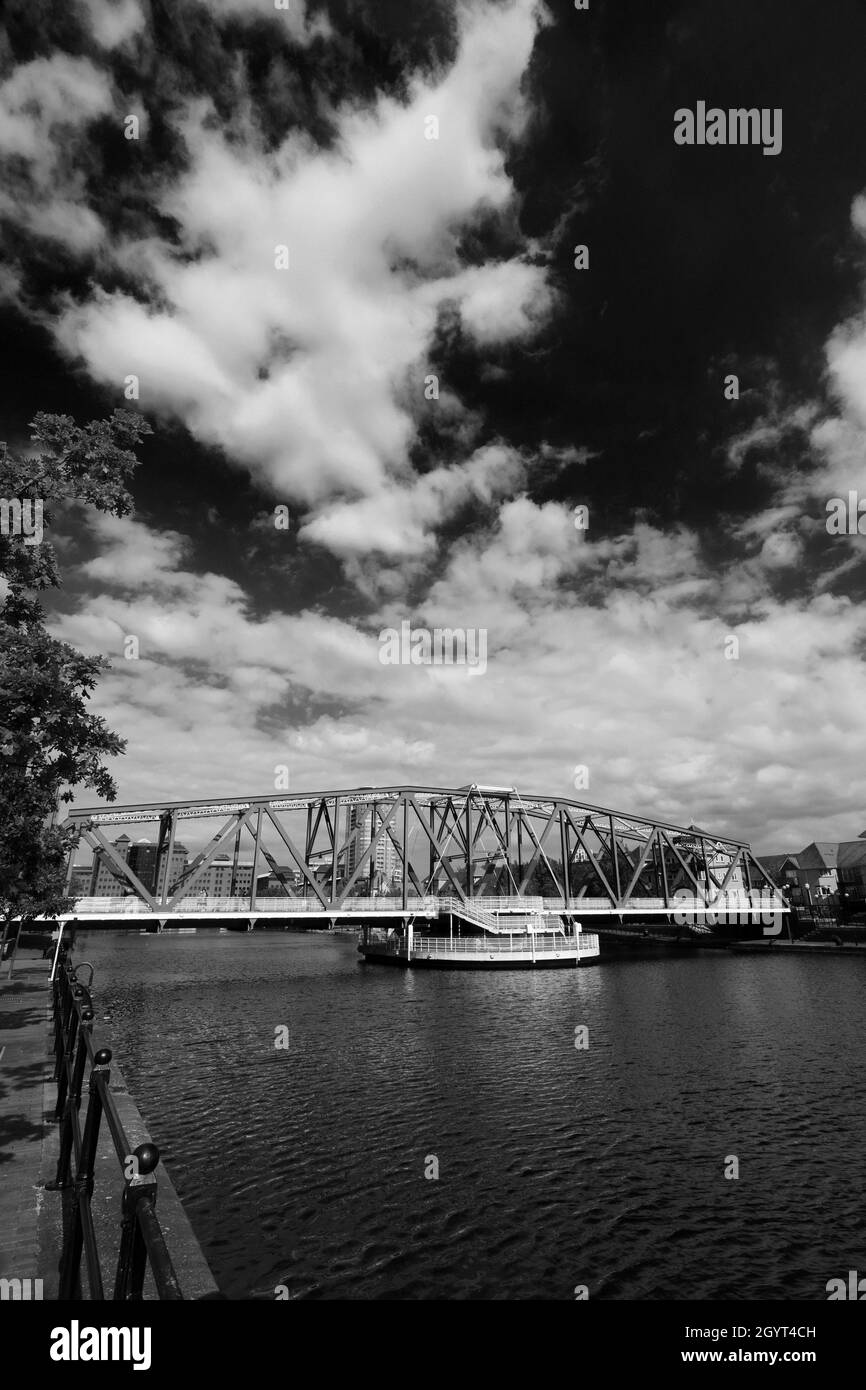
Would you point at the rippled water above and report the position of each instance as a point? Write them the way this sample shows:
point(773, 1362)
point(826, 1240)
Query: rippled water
point(557, 1166)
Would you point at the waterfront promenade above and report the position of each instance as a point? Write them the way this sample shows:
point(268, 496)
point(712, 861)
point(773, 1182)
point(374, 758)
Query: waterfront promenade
point(31, 1217)
point(27, 1139)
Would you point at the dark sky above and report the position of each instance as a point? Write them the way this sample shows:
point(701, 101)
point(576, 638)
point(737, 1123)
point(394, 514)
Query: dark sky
point(602, 387)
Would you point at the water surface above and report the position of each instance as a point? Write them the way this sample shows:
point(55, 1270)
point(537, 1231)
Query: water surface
point(557, 1167)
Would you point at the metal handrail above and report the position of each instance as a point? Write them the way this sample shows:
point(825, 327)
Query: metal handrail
point(481, 909)
point(265, 902)
point(141, 1236)
point(478, 945)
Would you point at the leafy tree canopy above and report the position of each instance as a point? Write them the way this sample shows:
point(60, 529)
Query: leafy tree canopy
point(49, 743)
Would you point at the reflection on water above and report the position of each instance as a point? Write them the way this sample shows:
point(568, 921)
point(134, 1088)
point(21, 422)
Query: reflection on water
point(557, 1166)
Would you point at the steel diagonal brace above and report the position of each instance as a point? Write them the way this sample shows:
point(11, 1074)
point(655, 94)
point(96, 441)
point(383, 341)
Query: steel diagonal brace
point(458, 890)
point(416, 882)
point(640, 867)
point(778, 899)
point(718, 847)
point(539, 849)
point(603, 879)
point(610, 848)
point(290, 846)
point(727, 878)
point(461, 852)
point(490, 856)
point(449, 806)
point(686, 870)
point(277, 871)
point(311, 838)
point(96, 839)
point(332, 827)
point(232, 826)
point(497, 830)
point(368, 852)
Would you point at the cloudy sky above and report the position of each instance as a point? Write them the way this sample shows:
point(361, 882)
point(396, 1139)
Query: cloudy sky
point(307, 386)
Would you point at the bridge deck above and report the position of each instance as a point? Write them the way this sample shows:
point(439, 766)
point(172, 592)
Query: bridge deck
point(490, 914)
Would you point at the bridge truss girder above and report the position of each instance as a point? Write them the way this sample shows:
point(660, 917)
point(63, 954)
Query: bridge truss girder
point(467, 843)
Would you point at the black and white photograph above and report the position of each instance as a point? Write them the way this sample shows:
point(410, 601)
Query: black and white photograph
point(432, 684)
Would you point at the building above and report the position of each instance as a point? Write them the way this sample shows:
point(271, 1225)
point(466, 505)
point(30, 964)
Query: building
point(106, 882)
point(179, 861)
point(783, 869)
point(142, 860)
point(808, 876)
point(383, 863)
point(79, 886)
point(817, 870)
point(270, 884)
point(851, 868)
point(221, 877)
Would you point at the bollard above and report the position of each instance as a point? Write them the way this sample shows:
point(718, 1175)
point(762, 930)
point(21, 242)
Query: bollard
point(132, 1256)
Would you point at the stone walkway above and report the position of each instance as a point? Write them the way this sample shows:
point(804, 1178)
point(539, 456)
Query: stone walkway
point(27, 1142)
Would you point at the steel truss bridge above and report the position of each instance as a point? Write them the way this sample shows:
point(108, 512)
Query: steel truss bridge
point(496, 858)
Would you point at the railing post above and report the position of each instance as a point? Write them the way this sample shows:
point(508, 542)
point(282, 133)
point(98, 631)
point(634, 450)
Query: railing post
point(58, 1018)
point(70, 1033)
point(61, 986)
point(72, 1092)
point(70, 1264)
point(132, 1256)
point(68, 984)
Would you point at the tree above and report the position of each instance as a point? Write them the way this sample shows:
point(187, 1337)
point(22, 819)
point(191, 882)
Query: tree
point(49, 743)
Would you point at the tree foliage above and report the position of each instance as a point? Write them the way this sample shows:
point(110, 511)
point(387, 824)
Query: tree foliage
point(49, 742)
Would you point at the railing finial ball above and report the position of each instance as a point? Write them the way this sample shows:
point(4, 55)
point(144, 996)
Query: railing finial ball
point(102, 1057)
point(148, 1157)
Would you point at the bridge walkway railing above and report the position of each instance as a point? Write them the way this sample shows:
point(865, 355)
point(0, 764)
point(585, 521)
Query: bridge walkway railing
point(490, 913)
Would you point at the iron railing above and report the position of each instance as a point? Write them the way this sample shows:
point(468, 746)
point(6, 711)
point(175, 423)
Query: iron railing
point(202, 904)
point(429, 906)
point(141, 1237)
point(477, 945)
point(552, 944)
